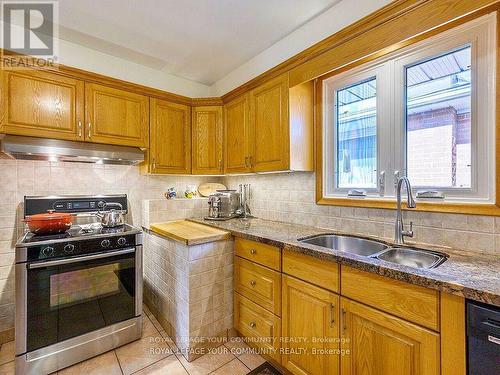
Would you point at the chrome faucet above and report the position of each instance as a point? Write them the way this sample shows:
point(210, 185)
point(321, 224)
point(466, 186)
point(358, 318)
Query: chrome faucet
point(399, 232)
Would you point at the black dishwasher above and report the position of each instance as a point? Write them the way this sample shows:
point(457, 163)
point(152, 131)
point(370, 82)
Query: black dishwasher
point(483, 339)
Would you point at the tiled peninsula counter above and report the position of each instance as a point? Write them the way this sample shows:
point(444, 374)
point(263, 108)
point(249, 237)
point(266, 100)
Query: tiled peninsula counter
point(188, 282)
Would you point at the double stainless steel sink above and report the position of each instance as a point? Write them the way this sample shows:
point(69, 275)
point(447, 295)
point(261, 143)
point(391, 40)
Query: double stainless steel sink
point(407, 256)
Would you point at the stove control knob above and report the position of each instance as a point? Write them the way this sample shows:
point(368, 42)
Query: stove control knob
point(48, 251)
point(69, 248)
point(105, 243)
point(122, 241)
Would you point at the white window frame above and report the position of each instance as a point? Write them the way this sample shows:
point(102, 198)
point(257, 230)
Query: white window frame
point(330, 162)
point(480, 34)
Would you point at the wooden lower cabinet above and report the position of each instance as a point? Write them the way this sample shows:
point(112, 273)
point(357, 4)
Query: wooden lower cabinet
point(310, 328)
point(319, 330)
point(259, 284)
point(381, 344)
point(261, 328)
point(257, 252)
point(413, 303)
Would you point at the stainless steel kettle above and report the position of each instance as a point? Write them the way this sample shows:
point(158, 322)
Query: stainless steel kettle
point(112, 218)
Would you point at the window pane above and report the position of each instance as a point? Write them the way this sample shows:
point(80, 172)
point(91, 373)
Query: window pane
point(356, 159)
point(438, 107)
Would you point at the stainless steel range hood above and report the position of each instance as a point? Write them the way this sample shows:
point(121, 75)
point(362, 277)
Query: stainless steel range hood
point(31, 148)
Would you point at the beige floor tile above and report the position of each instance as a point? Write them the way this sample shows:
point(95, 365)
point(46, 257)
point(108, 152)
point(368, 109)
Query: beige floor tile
point(156, 323)
point(237, 346)
point(148, 328)
point(8, 368)
point(142, 353)
point(235, 367)
point(169, 341)
point(7, 352)
point(170, 365)
point(209, 362)
point(251, 360)
point(106, 363)
point(146, 309)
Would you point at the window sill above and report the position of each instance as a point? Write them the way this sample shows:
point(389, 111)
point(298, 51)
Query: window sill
point(488, 209)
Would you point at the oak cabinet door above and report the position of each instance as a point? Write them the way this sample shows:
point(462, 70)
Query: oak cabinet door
point(207, 134)
point(381, 344)
point(262, 327)
point(269, 115)
point(236, 135)
point(310, 328)
point(116, 116)
point(42, 104)
point(170, 149)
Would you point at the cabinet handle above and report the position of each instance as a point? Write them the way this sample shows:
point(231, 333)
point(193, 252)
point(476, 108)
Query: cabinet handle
point(154, 164)
point(253, 283)
point(220, 165)
point(79, 129)
point(90, 130)
point(253, 325)
point(332, 315)
point(250, 160)
point(253, 251)
point(246, 161)
point(344, 325)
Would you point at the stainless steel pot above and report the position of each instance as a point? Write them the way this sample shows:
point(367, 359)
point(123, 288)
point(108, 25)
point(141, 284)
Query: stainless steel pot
point(111, 218)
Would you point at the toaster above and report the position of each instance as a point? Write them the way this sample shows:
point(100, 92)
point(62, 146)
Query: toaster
point(224, 205)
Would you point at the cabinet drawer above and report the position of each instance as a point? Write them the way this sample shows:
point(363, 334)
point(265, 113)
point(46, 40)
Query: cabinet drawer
point(253, 321)
point(316, 271)
point(267, 255)
point(411, 302)
point(259, 284)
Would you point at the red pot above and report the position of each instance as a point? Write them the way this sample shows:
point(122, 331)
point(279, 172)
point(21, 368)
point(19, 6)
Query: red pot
point(49, 223)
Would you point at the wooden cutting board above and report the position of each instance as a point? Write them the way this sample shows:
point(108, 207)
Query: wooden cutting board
point(188, 232)
point(209, 188)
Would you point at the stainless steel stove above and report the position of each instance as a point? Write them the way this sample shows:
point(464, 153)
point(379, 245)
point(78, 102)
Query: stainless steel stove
point(79, 293)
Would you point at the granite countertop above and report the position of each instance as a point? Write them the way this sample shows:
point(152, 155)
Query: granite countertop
point(472, 275)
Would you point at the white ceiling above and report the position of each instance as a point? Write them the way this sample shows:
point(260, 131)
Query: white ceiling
point(201, 40)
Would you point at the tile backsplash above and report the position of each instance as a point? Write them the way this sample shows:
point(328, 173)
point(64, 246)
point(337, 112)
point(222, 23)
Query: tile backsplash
point(20, 178)
point(283, 197)
point(291, 197)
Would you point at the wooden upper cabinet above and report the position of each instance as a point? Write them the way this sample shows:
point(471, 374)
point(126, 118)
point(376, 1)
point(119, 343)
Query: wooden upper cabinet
point(310, 320)
point(116, 116)
point(270, 126)
point(42, 104)
point(170, 149)
point(383, 344)
point(281, 126)
point(207, 135)
point(236, 135)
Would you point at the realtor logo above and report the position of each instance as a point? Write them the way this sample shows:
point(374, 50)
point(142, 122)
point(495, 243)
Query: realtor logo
point(30, 28)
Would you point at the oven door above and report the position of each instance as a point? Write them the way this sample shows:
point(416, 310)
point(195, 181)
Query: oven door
point(69, 297)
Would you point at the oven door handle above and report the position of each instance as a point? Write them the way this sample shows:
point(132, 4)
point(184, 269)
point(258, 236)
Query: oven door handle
point(79, 259)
